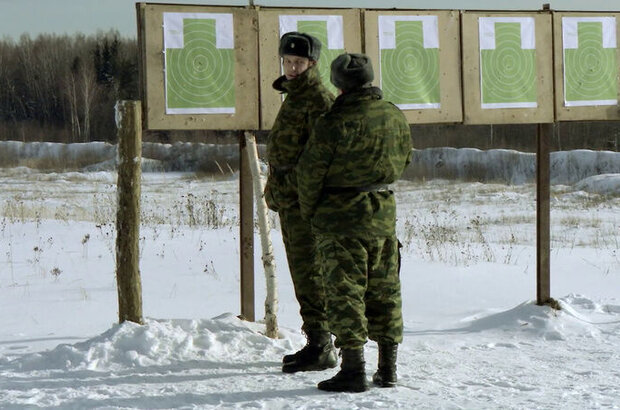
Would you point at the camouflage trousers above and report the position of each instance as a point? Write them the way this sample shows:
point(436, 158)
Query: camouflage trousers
point(305, 270)
point(363, 289)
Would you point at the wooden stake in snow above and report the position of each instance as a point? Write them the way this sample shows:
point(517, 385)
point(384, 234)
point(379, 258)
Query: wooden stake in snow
point(129, 285)
point(271, 301)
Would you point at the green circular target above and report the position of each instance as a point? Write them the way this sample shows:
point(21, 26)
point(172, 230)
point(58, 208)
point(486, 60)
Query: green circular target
point(200, 75)
point(410, 72)
point(508, 71)
point(318, 29)
point(590, 69)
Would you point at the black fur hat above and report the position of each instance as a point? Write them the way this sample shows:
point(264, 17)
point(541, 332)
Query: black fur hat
point(351, 70)
point(300, 44)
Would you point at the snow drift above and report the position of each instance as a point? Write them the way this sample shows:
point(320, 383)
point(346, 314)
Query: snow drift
point(509, 166)
point(468, 164)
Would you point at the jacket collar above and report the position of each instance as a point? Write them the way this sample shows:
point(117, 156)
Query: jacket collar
point(307, 79)
point(360, 94)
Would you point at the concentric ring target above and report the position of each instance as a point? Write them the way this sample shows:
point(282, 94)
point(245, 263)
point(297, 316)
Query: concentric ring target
point(318, 29)
point(508, 73)
point(410, 72)
point(200, 75)
point(590, 69)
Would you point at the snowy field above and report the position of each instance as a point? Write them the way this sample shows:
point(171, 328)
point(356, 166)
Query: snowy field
point(474, 339)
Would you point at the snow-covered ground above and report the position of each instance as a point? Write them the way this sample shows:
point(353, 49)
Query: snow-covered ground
point(474, 339)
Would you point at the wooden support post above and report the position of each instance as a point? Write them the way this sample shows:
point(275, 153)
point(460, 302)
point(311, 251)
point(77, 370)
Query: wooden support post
point(246, 233)
point(129, 285)
point(543, 215)
point(269, 265)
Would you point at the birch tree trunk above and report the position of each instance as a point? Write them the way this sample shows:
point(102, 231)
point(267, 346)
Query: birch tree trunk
point(271, 301)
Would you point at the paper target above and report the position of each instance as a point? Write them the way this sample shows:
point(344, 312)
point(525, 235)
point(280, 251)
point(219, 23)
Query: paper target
point(199, 63)
point(409, 66)
point(329, 31)
point(590, 66)
point(508, 75)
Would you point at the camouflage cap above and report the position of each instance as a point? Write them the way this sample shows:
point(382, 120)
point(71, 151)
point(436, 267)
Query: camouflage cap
point(300, 44)
point(351, 70)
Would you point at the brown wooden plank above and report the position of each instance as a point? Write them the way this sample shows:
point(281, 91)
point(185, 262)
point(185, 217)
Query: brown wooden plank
point(474, 113)
point(246, 233)
point(543, 215)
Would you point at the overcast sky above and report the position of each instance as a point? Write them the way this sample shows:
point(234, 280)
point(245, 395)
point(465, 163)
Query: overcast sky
point(90, 16)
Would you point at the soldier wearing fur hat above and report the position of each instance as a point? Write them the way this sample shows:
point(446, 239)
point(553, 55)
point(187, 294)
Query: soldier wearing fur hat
point(306, 99)
point(355, 151)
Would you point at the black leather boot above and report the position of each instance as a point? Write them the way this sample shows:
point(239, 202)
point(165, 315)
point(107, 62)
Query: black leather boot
point(386, 373)
point(318, 354)
point(352, 375)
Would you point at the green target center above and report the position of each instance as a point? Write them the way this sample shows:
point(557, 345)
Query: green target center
point(410, 64)
point(509, 63)
point(200, 64)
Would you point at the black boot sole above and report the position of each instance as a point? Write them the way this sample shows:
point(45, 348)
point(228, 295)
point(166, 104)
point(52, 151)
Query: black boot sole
point(382, 384)
point(378, 381)
point(291, 368)
point(349, 389)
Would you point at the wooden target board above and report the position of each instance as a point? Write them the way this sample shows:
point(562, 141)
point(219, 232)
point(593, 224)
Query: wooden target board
point(417, 62)
point(199, 66)
point(212, 67)
point(507, 68)
point(338, 30)
point(586, 66)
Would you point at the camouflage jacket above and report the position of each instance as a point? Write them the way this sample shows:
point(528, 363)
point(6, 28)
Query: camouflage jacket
point(307, 98)
point(363, 141)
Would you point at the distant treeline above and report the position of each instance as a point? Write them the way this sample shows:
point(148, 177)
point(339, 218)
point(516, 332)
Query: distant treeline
point(64, 88)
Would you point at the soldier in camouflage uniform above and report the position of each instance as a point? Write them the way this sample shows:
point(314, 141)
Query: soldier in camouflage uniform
point(355, 150)
point(306, 99)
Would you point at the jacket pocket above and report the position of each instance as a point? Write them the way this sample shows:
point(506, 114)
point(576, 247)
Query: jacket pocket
point(281, 191)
